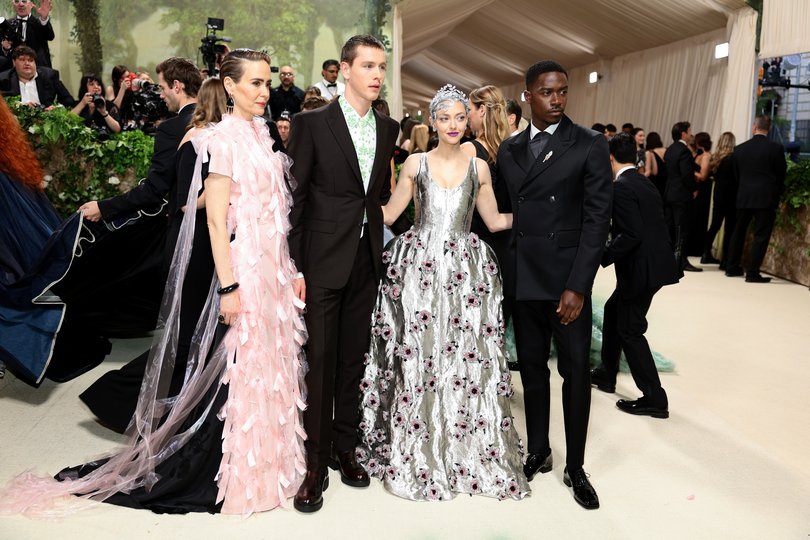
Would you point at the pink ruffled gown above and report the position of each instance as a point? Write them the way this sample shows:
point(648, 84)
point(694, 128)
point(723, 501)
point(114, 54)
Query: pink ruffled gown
point(232, 440)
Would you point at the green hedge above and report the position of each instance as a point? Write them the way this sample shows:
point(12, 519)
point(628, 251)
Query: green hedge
point(78, 166)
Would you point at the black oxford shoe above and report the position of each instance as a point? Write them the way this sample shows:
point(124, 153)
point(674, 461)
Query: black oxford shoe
point(603, 381)
point(584, 493)
point(689, 267)
point(351, 473)
point(310, 495)
point(537, 463)
point(757, 278)
point(642, 407)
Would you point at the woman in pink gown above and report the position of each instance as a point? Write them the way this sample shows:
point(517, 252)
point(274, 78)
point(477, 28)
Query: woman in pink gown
point(232, 440)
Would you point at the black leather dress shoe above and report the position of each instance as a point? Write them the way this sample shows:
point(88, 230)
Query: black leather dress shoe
point(584, 493)
point(310, 495)
point(603, 381)
point(688, 267)
point(708, 259)
point(757, 278)
point(734, 272)
point(642, 407)
point(351, 473)
point(537, 463)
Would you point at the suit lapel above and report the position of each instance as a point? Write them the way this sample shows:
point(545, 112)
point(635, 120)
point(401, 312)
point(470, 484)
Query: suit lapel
point(340, 130)
point(380, 151)
point(557, 145)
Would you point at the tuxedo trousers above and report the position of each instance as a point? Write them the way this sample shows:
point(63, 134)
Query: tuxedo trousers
point(536, 323)
point(764, 219)
point(338, 323)
point(623, 328)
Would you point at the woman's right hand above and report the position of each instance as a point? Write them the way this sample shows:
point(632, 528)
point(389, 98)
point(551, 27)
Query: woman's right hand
point(230, 307)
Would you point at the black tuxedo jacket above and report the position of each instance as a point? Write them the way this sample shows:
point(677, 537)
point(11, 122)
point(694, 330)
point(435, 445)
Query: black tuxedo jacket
point(680, 166)
point(561, 203)
point(37, 36)
point(329, 200)
point(759, 166)
point(640, 246)
point(162, 176)
point(49, 87)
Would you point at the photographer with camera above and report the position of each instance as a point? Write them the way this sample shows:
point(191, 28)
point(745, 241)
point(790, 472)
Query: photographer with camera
point(179, 81)
point(33, 31)
point(36, 86)
point(96, 111)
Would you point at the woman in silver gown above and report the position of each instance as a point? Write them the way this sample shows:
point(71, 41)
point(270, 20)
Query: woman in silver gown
point(435, 408)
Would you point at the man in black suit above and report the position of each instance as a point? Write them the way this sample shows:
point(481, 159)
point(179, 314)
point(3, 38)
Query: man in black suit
point(559, 181)
point(759, 167)
point(36, 31)
point(179, 80)
point(286, 96)
point(341, 155)
point(680, 191)
point(36, 86)
point(641, 250)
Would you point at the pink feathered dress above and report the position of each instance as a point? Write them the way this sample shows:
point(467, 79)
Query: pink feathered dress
point(232, 440)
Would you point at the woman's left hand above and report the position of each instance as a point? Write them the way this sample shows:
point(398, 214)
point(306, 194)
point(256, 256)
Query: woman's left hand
point(229, 308)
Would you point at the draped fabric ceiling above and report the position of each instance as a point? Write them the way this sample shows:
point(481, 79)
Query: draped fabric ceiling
point(476, 42)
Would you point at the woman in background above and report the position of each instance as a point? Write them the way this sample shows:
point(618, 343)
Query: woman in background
point(97, 112)
point(724, 209)
point(658, 172)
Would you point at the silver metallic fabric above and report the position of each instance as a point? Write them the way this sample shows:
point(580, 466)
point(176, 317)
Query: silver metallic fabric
point(435, 408)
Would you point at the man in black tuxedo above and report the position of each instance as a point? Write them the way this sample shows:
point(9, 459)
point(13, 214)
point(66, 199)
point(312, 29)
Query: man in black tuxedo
point(559, 181)
point(759, 167)
point(641, 250)
point(36, 86)
point(36, 30)
point(341, 155)
point(680, 191)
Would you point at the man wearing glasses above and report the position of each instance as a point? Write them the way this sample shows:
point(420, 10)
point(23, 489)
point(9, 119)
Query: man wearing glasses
point(35, 30)
point(286, 97)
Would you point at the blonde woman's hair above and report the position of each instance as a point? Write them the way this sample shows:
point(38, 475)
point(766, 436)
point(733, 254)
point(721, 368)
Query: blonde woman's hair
point(210, 104)
point(725, 147)
point(420, 136)
point(496, 124)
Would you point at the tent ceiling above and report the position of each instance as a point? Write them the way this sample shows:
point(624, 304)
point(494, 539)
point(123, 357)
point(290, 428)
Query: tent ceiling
point(474, 42)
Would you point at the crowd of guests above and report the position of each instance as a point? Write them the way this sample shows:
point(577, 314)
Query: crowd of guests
point(252, 236)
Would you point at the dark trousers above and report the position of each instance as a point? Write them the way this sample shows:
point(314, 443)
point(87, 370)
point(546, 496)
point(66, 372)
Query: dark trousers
point(679, 220)
point(763, 226)
point(722, 216)
point(338, 322)
point(624, 326)
point(535, 324)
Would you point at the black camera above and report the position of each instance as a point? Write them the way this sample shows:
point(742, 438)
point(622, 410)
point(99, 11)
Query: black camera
point(147, 108)
point(99, 101)
point(212, 48)
point(11, 30)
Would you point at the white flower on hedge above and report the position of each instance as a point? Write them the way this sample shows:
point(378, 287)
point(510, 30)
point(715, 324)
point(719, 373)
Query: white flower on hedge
point(47, 179)
point(113, 180)
point(63, 196)
point(32, 129)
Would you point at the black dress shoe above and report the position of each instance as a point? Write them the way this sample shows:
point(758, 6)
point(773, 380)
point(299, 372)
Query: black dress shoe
point(757, 278)
point(603, 381)
point(537, 463)
point(642, 407)
point(708, 259)
point(310, 495)
point(584, 493)
point(351, 473)
point(688, 267)
point(734, 272)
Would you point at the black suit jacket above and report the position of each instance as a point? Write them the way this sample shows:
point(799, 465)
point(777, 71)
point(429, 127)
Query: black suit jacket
point(162, 175)
point(561, 203)
point(759, 166)
point(681, 181)
point(37, 36)
point(49, 87)
point(640, 245)
point(329, 200)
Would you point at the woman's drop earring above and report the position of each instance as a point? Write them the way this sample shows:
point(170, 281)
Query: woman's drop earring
point(229, 104)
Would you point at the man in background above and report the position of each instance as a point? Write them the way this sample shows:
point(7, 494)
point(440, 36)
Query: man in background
point(35, 30)
point(330, 87)
point(36, 86)
point(286, 97)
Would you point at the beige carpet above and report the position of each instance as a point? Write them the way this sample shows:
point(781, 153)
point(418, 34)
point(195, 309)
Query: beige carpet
point(730, 462)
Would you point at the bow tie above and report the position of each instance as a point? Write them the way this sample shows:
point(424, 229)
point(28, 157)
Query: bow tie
point(331, 85)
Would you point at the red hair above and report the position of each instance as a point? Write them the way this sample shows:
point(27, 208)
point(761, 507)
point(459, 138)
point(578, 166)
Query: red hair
point(17, 158)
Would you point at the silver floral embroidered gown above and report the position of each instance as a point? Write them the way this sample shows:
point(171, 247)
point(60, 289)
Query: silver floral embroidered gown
point(435, 415)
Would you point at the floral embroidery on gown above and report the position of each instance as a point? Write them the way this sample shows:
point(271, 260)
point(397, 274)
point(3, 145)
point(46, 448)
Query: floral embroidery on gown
point(436, 419)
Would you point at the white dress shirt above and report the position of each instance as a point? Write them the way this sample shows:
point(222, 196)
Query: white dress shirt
point(330, 92)
point(29, 92)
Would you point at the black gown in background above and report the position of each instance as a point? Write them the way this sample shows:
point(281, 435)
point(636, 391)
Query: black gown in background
point(112, 398)
point(660, 179)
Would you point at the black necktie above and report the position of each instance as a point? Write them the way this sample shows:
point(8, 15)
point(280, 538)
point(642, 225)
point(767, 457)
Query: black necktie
point(331, 85)
point(539, 142)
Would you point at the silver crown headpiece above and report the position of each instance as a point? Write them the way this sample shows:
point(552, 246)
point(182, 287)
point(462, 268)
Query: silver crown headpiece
point(447, 95)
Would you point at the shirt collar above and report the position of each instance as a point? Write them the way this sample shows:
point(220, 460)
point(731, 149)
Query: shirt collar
point(348, 111)
point(626, 168)
point(534, 130)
